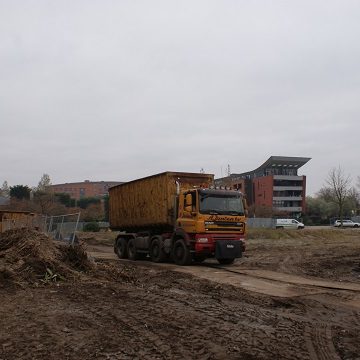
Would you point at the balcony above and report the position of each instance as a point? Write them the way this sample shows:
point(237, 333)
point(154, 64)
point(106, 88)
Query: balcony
point(287, 188)
point(287, 198)
point(288, 177)
point(289, 208)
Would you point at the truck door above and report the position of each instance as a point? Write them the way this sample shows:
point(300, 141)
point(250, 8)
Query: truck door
point(187, 222)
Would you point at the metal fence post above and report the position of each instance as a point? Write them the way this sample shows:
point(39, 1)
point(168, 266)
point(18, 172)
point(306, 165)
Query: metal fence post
point(61, 225)
point(77, 223)
point(50, 224)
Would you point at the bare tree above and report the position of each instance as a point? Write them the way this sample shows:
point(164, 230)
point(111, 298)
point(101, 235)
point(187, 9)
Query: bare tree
point(339, 188)
point(42, 195)
point(44, 183)
point(5, 190)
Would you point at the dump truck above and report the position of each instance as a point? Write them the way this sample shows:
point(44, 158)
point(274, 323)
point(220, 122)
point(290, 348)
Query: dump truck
point(177, 216)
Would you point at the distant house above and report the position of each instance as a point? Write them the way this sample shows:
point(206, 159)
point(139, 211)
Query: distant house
point(275, 184)
point(11, 219)
point(86, 188)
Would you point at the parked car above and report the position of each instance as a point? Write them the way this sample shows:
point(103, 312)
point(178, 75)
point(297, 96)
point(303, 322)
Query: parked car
point(346, 223)
point(289, 224)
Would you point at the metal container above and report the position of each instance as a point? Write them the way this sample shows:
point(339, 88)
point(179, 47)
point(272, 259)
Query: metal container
point(150, 202)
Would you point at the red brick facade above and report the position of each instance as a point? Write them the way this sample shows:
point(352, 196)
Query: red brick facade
point(263, 191)
point(85, 189)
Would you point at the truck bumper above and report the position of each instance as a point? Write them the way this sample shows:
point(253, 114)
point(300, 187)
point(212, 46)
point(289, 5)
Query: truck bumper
point(221, 249)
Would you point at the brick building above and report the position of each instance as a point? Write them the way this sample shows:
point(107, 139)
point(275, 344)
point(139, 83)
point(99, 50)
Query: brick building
point(86, 188)
point(275, 185)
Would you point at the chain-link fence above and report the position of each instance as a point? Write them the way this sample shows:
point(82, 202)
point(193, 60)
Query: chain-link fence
point(267, 223)
point(63, 227)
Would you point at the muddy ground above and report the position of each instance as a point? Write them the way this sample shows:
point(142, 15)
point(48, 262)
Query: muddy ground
point(294, 295)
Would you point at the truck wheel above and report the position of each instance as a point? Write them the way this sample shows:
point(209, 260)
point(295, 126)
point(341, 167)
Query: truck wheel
point(181, 253)
point(131, 250)
point(121, 248)
point(157, 253)
point(225, 261)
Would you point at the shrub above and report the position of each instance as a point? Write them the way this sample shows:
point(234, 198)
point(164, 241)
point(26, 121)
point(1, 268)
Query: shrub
point(92, 226)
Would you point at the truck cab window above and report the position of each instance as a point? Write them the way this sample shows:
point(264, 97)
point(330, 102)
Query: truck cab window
point(226, 203)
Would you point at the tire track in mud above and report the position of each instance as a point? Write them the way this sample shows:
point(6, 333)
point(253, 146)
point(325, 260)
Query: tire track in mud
point(318, 337)
point(295, 280)
point(194, 341)
point(147, 342)
point(139, 318)
point(356, 317)
point(319, 342)
point(261, 331)
point(253, 335)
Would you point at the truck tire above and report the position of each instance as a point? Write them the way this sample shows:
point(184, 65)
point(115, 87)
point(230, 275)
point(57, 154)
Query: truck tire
point(157, 253)
point(131, 250)
point(225, 261)
point(121, 248)
point(181, 253)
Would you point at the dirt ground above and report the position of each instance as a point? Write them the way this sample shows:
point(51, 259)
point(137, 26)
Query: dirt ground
point(294, 295)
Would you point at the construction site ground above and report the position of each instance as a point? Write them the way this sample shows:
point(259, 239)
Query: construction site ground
point(293, 295)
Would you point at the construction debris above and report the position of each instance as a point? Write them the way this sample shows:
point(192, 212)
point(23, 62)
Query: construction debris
point(30, 256)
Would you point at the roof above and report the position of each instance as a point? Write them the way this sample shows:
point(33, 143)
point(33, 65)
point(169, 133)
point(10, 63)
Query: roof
point(87, 182)
point(284, 162)
point(177, 174)
point(16, 212)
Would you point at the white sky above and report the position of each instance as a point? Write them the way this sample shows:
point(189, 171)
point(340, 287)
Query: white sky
point(116, 90)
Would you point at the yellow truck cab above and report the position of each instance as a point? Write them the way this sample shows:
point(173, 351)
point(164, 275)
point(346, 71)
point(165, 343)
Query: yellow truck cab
point(214, 221)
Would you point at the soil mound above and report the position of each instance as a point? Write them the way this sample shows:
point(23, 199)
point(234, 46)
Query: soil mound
point(29, 256)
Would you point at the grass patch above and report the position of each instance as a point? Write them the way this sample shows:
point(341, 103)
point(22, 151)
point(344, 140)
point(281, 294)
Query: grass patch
point(279, 234)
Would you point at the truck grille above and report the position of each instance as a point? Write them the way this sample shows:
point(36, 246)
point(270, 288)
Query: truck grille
point(225, 226)
point(224, 229)
point(225, 237)
point(225, 223)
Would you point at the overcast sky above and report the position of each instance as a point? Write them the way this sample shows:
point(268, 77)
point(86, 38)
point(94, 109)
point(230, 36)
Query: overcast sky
point(116, 90)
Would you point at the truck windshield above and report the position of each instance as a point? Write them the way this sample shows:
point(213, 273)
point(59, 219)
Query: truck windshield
point(221, 202)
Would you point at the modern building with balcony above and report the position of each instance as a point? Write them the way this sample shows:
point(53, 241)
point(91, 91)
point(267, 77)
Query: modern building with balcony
point(275, 184)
